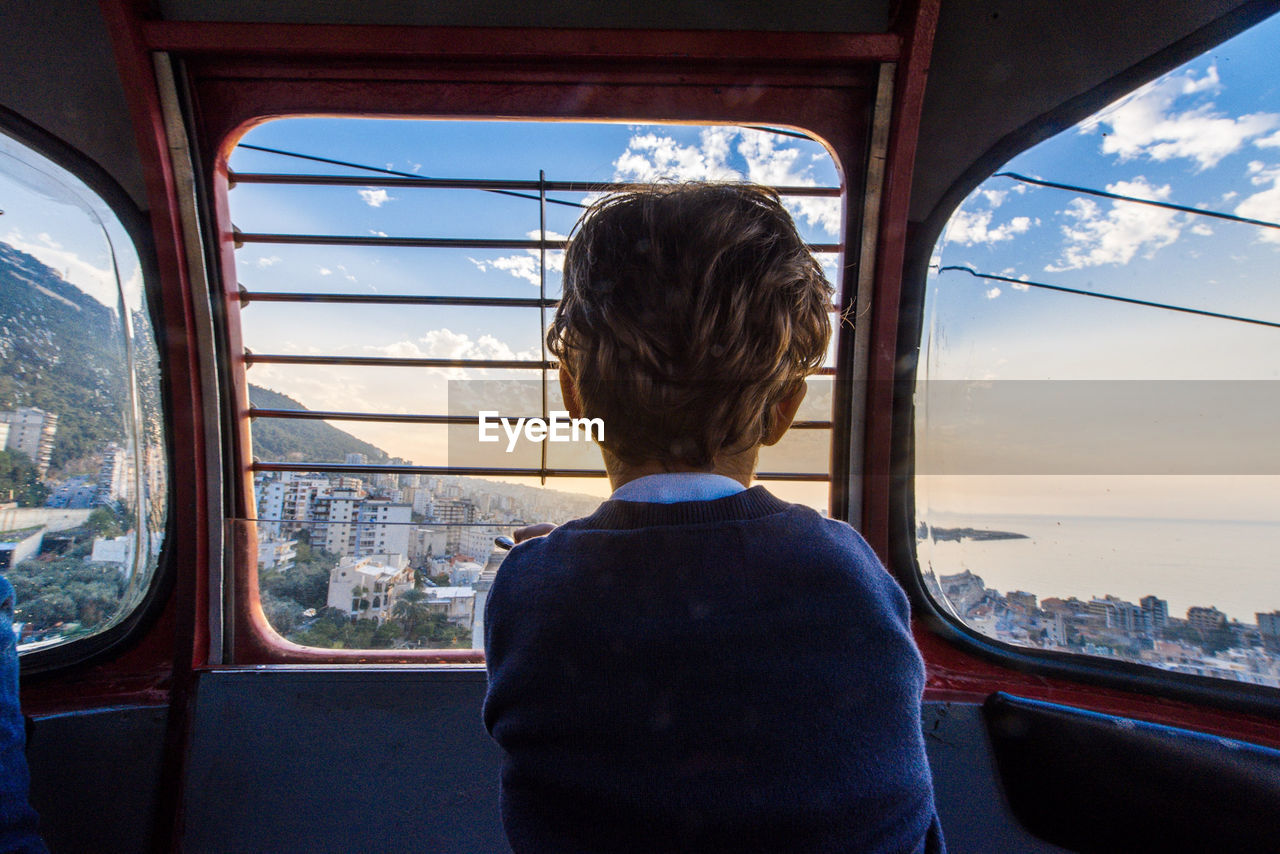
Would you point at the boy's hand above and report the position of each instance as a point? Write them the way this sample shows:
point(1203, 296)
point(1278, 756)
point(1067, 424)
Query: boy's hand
point(528, 532)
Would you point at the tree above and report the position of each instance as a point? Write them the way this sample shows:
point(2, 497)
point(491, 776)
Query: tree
point(19, 480)
point(283, 614)
point(413, 611)
point(103, 523)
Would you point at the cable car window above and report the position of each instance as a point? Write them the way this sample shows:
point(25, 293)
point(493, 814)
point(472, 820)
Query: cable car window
point(83, 467)
point(1096, 469)
point(398, 278)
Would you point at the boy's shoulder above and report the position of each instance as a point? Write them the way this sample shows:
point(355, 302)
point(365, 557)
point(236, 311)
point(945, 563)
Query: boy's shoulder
point(811, 546)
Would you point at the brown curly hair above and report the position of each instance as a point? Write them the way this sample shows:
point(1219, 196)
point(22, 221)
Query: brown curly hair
point(689, 310)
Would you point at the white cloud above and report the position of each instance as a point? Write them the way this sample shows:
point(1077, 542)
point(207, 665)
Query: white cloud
point(650, 157)
point(377, 233)
point(325, 271)
point(1119, 234)
point(1264, 205)
point(447, 344)
point(968, 228)
point(769, 163)
point(993, 293)
point(995, 198)
point(1272, 141)
point(375, 198)
point(268, 262)
point(525, 266)
point(1145, 123)
point(1201, 229)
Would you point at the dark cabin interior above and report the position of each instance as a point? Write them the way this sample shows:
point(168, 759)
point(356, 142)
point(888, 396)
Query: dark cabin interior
point(188, 727)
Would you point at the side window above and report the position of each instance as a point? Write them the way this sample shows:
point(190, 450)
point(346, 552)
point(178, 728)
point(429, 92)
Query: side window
point(1096, 466)
point(83, 468)
point(387, 312)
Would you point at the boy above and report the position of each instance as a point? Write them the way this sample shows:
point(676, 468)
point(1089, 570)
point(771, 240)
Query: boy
point(699, 666)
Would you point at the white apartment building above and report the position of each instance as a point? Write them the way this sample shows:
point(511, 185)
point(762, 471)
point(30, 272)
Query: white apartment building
point(118, 550)
point(476, 542)
point(465, 574)
point(427, 540)
point(456, 603)
point(368, 587)
point(284, 503)
point(276, 554)
point(31, 432)
point(115, 475)
point(382, 528)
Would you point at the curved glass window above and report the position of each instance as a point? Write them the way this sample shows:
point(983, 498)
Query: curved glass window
point(82, 467)
point(1099, 386)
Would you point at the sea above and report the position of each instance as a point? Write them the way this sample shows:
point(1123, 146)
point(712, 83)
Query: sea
point(1231, 565)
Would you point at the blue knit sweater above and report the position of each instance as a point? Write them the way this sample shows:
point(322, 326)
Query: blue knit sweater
point(728, 675)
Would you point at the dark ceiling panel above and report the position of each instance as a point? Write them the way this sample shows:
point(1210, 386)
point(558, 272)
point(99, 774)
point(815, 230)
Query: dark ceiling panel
point(58, 72)
point(869, 16)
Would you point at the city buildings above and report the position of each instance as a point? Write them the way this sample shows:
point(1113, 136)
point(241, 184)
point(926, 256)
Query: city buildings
point(31, 432)
point(1207, 643)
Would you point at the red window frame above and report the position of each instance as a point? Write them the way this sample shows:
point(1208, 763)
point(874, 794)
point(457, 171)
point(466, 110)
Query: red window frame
point(823, 84)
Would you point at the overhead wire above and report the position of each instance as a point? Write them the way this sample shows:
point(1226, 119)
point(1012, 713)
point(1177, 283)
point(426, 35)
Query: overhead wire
point(1113, 297)
point(1105, 194)
point(395, 172)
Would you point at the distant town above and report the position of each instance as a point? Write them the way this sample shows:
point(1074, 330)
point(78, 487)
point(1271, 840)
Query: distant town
point(1204, 643)
point(397, 561)
point(404, 561)
point(69, 546)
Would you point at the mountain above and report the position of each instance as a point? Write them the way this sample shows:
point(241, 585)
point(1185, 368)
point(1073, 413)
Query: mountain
point(62, 351)
point(294, 440)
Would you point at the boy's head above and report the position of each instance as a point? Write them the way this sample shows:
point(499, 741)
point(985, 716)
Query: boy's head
point(690, 312)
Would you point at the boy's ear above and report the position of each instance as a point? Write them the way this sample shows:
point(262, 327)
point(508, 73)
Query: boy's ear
point(570, 394)
point(784, 412)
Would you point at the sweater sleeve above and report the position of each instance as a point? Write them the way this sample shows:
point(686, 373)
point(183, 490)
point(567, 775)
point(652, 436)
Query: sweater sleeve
point(19, 824)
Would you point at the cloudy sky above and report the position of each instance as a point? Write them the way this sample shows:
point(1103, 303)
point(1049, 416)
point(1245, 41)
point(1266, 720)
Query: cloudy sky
point(565, 151)
point(50, 214)
point(1206, 135)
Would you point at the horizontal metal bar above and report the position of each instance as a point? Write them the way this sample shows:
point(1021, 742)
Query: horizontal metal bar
point(462, 471)
point(389, 362)
point(478, 184)
point(420, 242)
point(397, 418)
point(247, 296)
point(478, 471)
point(356, 523)
point(430, 242)
point(376, 417)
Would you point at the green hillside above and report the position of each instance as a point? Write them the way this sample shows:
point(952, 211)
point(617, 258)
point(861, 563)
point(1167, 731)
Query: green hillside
point(62, 351)
point(290, 440)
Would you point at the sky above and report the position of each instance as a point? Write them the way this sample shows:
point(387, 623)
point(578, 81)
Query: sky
point(518, 150)
point(1206, 135)
point(50, 214)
